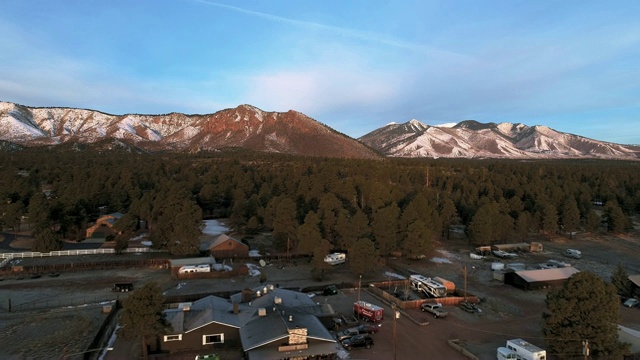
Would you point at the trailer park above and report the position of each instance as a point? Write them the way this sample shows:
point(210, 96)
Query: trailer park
point(271, 308)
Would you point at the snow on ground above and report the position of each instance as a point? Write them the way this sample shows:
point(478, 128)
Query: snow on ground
point(214, 227)
point(112, 340)
point(254, 253)
point(146, 243)
point(394, 275)
point(254, 270)
point(221, 267)
point(446, 259)
point(139, 237)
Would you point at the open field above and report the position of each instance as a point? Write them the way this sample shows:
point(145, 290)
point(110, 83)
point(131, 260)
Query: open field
point(508, 312)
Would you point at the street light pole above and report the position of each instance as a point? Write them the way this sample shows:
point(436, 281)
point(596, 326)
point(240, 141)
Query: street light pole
point(396, 315)
point(359, 286)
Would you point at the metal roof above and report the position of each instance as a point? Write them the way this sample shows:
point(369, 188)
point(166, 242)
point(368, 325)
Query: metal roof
point(547, 274)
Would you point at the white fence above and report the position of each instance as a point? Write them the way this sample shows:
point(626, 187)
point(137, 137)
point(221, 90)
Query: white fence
point(9, 256)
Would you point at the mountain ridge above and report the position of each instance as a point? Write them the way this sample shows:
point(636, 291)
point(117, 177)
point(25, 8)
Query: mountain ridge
point(244, 126)
point(473, 139)
point(292, 132)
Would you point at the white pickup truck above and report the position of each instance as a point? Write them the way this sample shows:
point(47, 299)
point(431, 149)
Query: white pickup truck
point(435, 309)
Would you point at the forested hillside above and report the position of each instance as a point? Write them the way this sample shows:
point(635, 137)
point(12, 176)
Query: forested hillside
point(311, 204)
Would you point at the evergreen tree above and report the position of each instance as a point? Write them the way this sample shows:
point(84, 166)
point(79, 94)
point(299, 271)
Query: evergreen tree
point(308, 234)
point(285, 225)
point(12, 215)
point(616, 220)
point(448, 214)
point(620, 279)
point(38, 212)
point(46, 241)
point(178, 222)
point(485, 226)
point(363, 256)
point(384, 226)
point(592, 222)
point(585, 308)
point(548, 218)
point(142, 315)
point(419, 240)
point(319, 266)
point(570, 216)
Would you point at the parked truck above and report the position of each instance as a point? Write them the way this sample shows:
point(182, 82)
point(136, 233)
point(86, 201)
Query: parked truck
point(505, 354)
point(435, 309)
point(525, 350)
point(367, 311)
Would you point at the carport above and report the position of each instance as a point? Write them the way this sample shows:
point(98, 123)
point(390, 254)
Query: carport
point(539, 279)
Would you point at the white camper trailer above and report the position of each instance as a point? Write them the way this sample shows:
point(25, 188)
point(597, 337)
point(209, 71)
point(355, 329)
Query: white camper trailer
point(335, 258)
point(525, 350)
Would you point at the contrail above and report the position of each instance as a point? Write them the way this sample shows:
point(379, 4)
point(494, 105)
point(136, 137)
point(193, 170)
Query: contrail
point(360, 35)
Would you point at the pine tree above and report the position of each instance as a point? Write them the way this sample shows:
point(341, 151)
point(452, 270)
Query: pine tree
point(585, 308)
point(363, 256)
point(620, 279)
point(616, 220)
point(308, 234)
point(46, 241)
point(570, 216)
point(384, 225)
point(142, 315)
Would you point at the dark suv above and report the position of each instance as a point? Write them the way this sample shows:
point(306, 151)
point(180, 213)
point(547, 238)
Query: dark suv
point(358, 341)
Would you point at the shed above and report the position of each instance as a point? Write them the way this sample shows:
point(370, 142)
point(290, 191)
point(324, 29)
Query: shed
point(539, 279)
point(225, 247)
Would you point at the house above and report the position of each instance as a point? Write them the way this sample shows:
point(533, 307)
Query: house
point(205, 324)
point(102, 228)
point(225, 247)
point(539, 279)
point(266, 322)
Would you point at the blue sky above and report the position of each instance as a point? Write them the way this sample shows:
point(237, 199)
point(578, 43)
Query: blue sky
point(354, 65)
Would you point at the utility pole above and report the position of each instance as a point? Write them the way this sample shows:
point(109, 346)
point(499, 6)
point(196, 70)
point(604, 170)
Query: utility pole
point(359, 286)
point(465, 282)
point(396, 315)
point(585, 349)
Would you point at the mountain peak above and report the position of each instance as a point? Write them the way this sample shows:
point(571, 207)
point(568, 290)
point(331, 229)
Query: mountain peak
point(245, 126)
point(473, 139)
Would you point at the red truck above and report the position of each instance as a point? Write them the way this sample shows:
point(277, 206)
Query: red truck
point(367, 311)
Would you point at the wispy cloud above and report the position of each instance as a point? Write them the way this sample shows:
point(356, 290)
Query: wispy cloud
point(341, 31)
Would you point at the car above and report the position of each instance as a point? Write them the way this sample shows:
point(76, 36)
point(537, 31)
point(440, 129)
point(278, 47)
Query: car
point(572, 253)
point(632, 303)
point(469, 307)
point(358, 341)
point(330, 290)
point(368, 328)
point(357, 330)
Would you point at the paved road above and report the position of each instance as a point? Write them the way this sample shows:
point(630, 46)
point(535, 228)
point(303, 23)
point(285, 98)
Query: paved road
point(7, 238)
point(5, 243)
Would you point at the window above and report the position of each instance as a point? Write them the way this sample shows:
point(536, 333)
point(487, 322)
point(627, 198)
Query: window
point(172, 337)
point(212, 339)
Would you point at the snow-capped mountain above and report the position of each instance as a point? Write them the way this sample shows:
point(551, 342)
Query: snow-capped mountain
point(471, 139)
point(242, 127)
point(291, 132)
